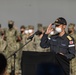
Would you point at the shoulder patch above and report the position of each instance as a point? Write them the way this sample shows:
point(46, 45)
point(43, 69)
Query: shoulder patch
point(69, 37)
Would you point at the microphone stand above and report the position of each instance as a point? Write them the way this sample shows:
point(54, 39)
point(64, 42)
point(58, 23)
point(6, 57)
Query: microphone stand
point(14, 54)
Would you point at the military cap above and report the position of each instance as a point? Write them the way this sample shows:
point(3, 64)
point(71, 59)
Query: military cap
point(23, 27)
point(30, 27)
point(71, 25)
point(39, 25)
point(59, 21)
point(10, 22)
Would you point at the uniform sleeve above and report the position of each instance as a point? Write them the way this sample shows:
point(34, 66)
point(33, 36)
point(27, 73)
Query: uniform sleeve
point(17, 33)
point(71, 49)
point(45, 43)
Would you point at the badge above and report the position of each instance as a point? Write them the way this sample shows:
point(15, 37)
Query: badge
point(69, 37)
point(71, 42)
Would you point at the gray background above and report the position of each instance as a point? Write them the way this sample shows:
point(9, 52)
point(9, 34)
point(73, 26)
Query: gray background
point(25, 12)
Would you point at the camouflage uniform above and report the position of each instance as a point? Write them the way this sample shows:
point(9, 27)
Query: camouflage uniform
point(73, 61)
point(2, 41)
point(38, 48)
point(30, 46)
point(24, 36)
point(18, 58)
point(44, 30)
point(2, 44)
point(37, 40)
point(39, 25)
point(11, 37)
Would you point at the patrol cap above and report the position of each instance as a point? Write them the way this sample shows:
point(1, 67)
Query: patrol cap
point(39, 25)
point(71, 25)
point(10, 22)
point(30, 27)
point(59, 21)
point(23, 27)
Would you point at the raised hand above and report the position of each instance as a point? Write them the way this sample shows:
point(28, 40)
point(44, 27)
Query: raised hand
point(49, 29)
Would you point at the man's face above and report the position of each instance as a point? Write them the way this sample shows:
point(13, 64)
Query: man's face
point(10, 25)
point(22, 30)
point(70, 30)
point(60, 28)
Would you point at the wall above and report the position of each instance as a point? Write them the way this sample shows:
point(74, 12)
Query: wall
point(25, 12)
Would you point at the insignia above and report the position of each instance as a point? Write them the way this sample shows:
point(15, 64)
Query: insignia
point(69, 37)
point(71, 45)
point(70, 42)
point(54, 40)
point(63, 44)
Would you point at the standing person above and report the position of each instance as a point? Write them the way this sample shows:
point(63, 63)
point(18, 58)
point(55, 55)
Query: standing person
point(39, 25)
point(62, 49)
point(2, 40)
point(30, 46)
point(37, 40)
point(11, 35)
point(72, 32)
point(2, 43)
point(23, 35)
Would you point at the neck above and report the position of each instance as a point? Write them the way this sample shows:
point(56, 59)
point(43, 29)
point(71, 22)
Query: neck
point(62, 33)
point(10, 28)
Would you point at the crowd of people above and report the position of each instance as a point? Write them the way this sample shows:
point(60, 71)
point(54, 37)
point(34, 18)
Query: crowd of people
point(11, 40)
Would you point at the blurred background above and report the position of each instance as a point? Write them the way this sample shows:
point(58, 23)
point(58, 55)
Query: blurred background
point(26, 12)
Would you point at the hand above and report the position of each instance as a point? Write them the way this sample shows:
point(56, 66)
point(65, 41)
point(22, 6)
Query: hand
point(49, 29)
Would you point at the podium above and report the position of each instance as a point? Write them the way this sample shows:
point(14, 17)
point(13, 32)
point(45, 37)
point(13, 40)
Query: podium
point(41, 63)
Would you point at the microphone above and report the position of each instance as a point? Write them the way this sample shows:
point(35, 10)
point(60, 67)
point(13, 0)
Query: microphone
point(30, 37)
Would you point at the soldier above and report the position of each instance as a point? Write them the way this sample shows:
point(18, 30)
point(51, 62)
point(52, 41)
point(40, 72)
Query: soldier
point(23, 34)
point(2, 42)
point(44, 28)
point(30, 46)
point(11, 35)
point(62, 48)
point(72, 32)
point(39, 25)
point(37, 40)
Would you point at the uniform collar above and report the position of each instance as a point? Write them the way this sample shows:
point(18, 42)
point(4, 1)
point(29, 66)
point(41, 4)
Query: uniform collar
point(63, 37)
